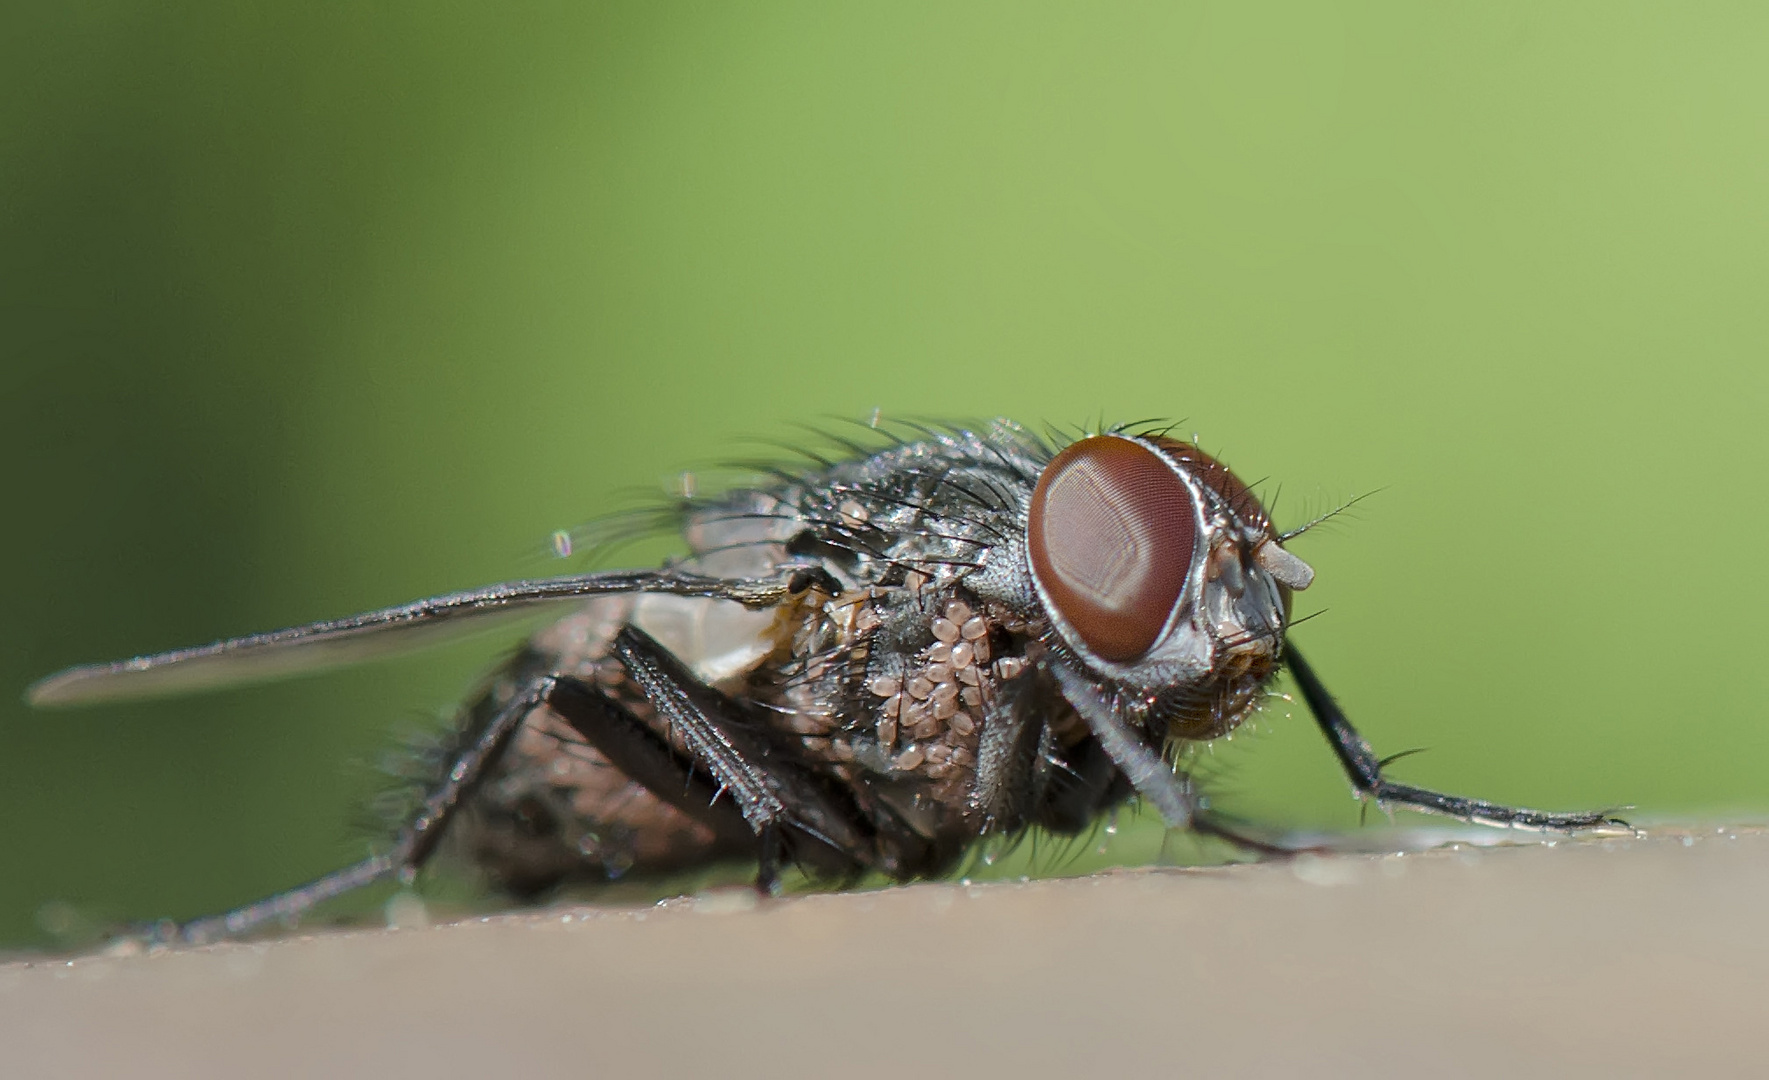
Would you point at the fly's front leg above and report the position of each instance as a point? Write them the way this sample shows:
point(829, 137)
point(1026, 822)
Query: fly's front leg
point(1364, 769)
point(416, 842)
point(1169, 790)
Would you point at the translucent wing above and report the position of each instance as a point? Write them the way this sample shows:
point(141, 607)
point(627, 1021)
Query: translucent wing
point(300, 649)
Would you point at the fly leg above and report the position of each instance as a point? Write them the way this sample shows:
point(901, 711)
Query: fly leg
point(1364, 769)
point(781, 800)
point(1169, 792)
point(775, 800)
point(644, 756)
point(416, 842)
point(1161, 785)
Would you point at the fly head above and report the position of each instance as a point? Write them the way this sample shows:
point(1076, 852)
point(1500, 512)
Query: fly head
point(1161, 577)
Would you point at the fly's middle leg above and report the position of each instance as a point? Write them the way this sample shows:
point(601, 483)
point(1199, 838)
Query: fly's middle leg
point(787, 805)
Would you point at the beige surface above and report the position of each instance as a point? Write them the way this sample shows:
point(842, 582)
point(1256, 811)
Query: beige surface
point(1602, 958)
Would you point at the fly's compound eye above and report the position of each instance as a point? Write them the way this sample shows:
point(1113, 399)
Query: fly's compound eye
point(1111, 535)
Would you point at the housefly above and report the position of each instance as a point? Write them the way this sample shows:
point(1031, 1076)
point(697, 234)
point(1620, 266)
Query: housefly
point(861, 667)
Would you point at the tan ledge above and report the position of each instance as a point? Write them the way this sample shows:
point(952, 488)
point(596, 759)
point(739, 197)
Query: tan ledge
point(1615, 957)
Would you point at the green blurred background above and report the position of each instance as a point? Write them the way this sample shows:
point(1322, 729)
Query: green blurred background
point(311, 308)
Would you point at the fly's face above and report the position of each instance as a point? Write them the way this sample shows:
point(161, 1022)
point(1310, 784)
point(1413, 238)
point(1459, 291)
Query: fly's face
point(1160, 572)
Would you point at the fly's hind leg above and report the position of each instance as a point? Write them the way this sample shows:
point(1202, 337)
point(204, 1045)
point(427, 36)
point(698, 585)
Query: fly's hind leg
point(416, 842)
point(1364, 769)
point(773, 797)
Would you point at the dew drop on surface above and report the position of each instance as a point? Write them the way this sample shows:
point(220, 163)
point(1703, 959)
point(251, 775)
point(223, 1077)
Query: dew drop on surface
point(725, 901)
point(562, 544)
point(1689, 841)
point(57, 918)
point(406, 911)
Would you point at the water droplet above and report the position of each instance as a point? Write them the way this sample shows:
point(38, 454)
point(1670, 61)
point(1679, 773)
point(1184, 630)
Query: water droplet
point(406, 911)
point(562, 544)
point(57, 918)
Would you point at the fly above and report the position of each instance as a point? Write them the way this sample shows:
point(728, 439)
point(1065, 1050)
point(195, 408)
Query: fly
point(862, 667)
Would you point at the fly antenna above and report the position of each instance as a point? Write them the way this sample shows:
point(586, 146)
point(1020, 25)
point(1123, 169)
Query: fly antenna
point(1291, 534)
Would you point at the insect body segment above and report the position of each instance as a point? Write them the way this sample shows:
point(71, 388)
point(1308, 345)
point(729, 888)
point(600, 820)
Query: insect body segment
point(862, 668)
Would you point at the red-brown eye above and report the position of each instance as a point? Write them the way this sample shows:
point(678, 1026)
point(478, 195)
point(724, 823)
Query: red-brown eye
point(1110, 536)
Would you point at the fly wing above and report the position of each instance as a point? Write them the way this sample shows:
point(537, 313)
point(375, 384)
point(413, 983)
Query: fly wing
point(301, 649)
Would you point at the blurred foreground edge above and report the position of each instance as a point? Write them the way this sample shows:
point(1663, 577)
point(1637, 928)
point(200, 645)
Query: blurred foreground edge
point(1614, 957)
